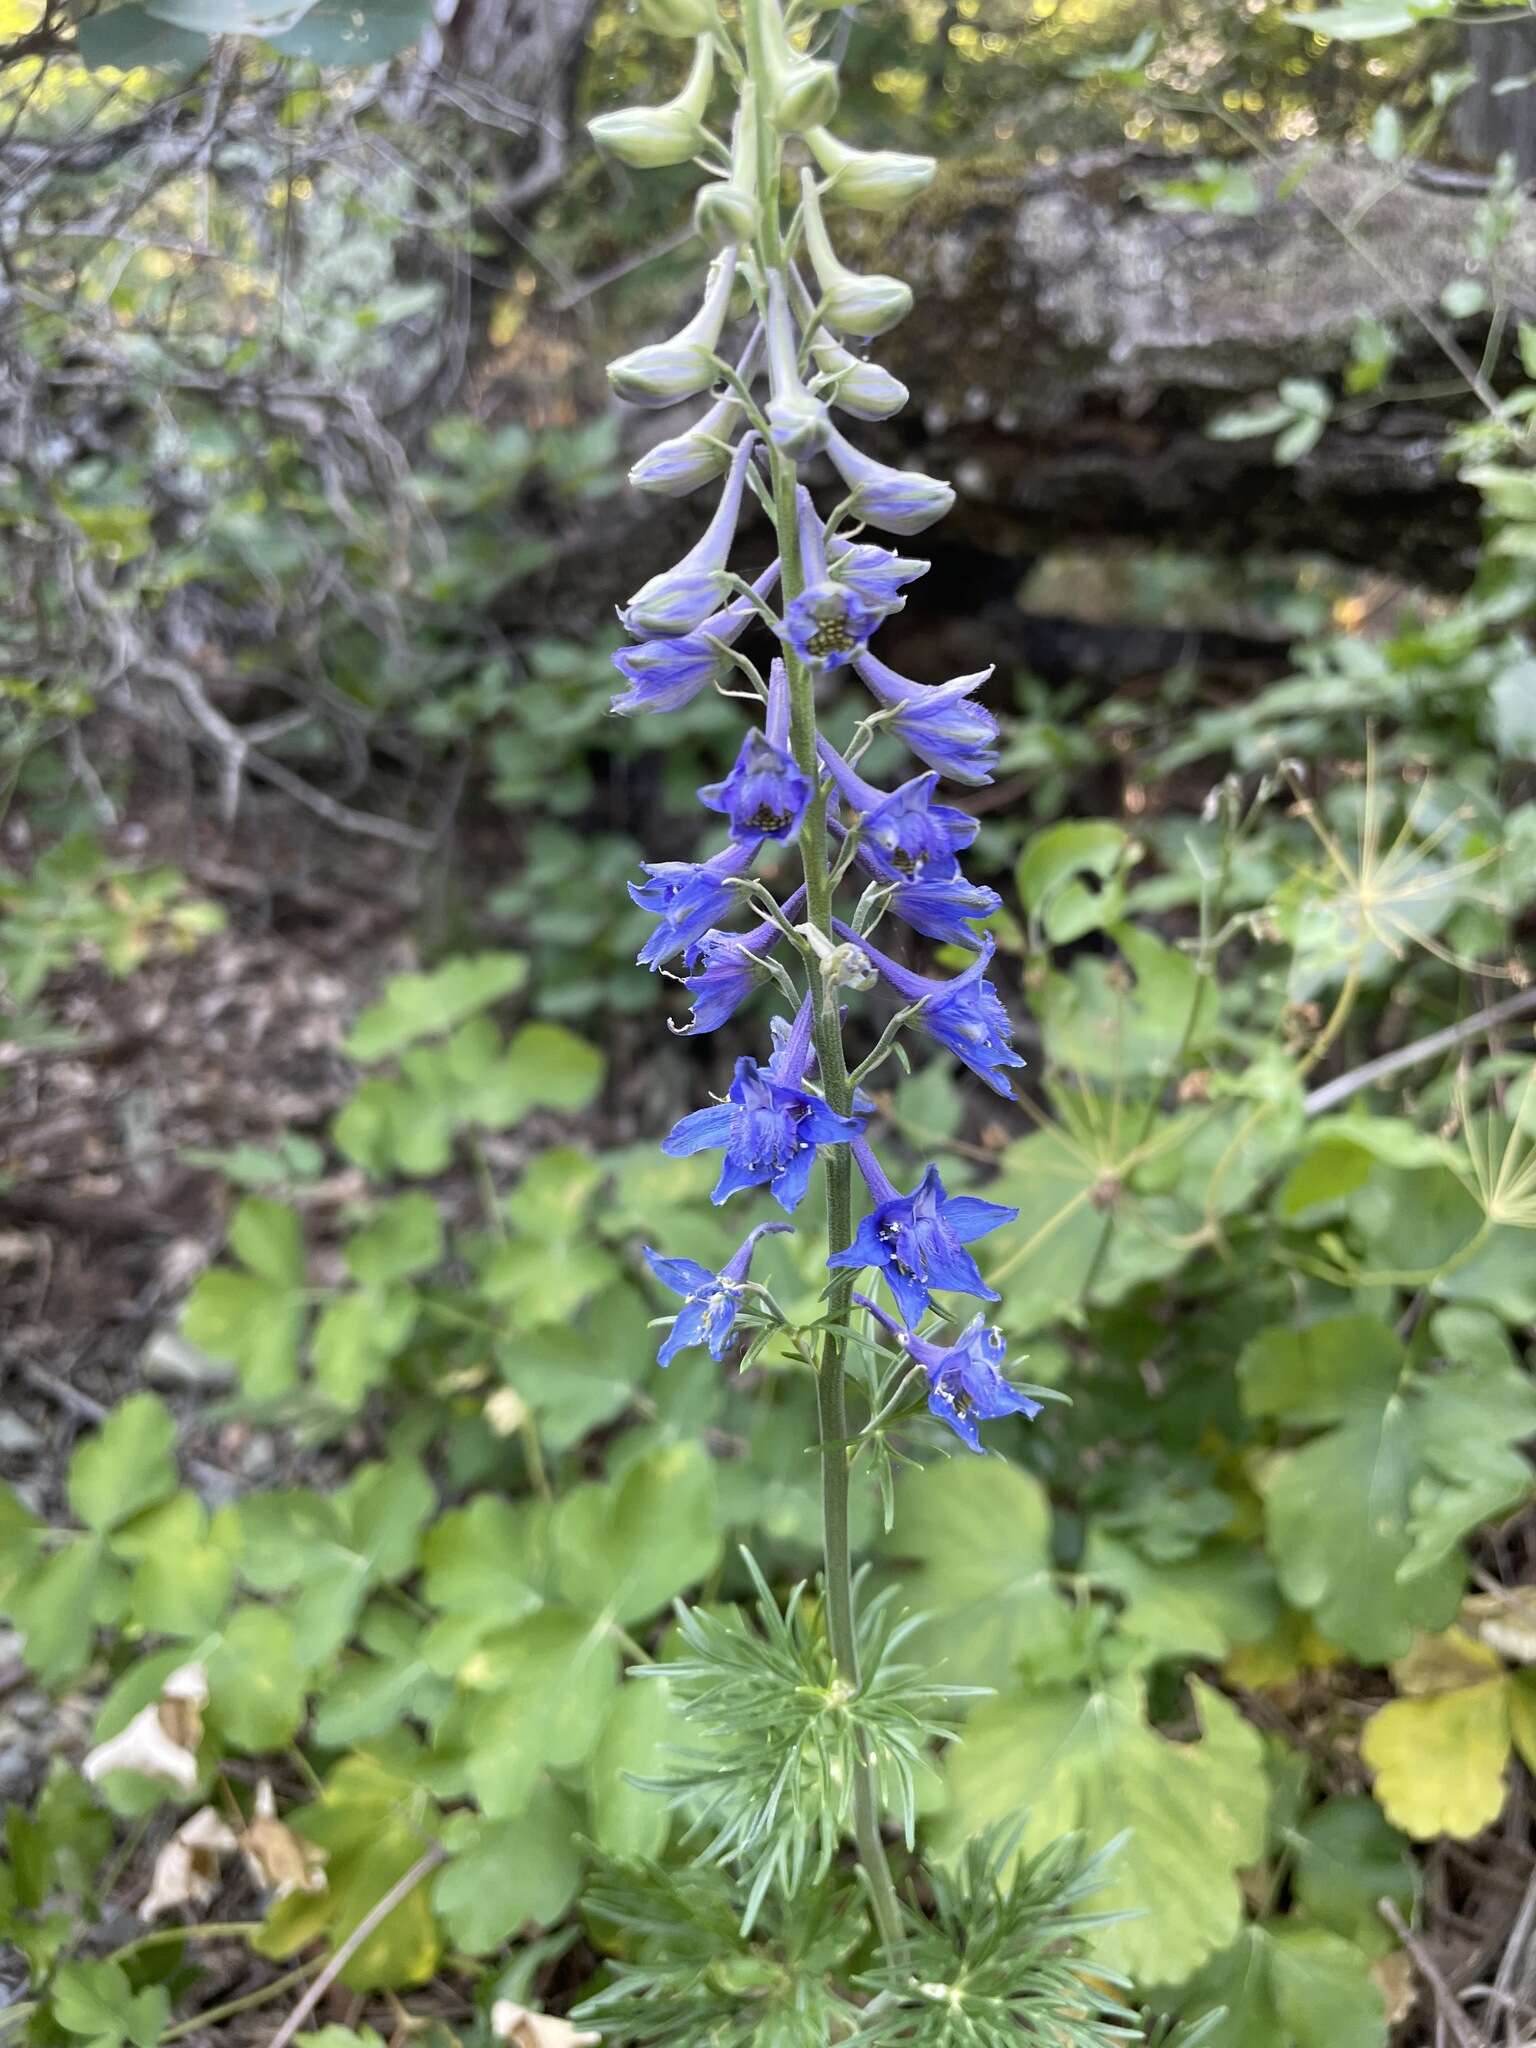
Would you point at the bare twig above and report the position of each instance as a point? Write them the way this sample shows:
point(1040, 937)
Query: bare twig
point(1342, 1086)
point(1449, 2011)
point(401, 1889)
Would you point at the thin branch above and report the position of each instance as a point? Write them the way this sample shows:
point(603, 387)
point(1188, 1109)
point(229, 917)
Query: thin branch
point(1448, 2007)
point(1342, 1086)
point(401, 1889)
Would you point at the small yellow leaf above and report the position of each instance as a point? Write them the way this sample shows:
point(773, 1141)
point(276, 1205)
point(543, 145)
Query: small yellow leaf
point(1522, 1716)
point(1439, 1760)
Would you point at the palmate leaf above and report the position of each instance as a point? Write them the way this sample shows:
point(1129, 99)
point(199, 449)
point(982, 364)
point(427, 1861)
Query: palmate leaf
point(1069, 1759)
point(1365, 1520)
point(1288, 1988)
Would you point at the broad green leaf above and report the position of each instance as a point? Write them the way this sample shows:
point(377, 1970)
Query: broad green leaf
point(57, 1605)
point(183, 1565)
point(373, 1693)
point(1288, 1988)
point(333, 1550)
point(127, 1465)
point(1116, 1020)
point(96, 2000)
point(374, 1827)
point(1198, 1606)
point(980, 1536)
point(486, 1560)
point(506, 1875)
point(555, 1194)
point(256, 1683)
point(1348, 1857)
point(1359, 20)
point(130, 39)
point(1058, 1759)
point(57, 1846)
point(555, 1067)
point(543, 1285)
point(624, 1550)
point(1364, 1521)
point(254, 1319)
point(1067, 877)
point(401, 1239)
point(534, 1698)
point(417, 1005)
point(639, 1729)
point(576, 1376)
point(357, 1337)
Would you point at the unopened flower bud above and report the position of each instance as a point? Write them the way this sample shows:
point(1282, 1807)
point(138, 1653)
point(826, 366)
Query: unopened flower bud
point(652, 138)
point(841, 966)
point(724, 214)
point(896, 500)
point(805, 95)
point(863, 389)
point(663, 373)
point(678, 17)
point(879, 180)
point(798, 425)
point(851, 303)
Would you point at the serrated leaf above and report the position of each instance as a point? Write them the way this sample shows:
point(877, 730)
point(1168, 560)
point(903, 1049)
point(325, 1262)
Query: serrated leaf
point(183, 1565)
point(1439, 1760)
point(1060, 1759)
point(1055, 871)
point(1348, 1857)
point(401, 1239)
point(534, 1698)
point(640, 1727)
point(256, 1683)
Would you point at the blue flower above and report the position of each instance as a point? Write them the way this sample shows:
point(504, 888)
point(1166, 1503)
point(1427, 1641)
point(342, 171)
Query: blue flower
point(896, 500)
point(918, 1241)
point(726, 967)
point(664, 675)
point(965, 1379)
point(769, 1124)
point(964, 1013)
point(944, 907)
point(907, 835)
point(875, 575)
point(681, 598)
point(936, 720)
point(766, 795)
point(688, 897)
point(797, 421)
point(710, 1300)
point(828, 623)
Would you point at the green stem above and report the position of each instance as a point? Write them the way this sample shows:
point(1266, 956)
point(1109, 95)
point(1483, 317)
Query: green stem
point(831, 1401)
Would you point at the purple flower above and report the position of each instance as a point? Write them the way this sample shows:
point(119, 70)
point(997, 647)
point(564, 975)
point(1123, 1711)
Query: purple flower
point(797, 422)
point(937, 721)
point(918, 1241)
point(767, 793)
point(965, 1379)
point(828, 623)
point(943, 907)
point(688, 897)
point(769, 1124)
point(710, 1300)
point(875, 575)
point(664, 675)
point(963, 1013)
point(726, 967)
point(907, 835)
point(896, 500)
point(681, 598)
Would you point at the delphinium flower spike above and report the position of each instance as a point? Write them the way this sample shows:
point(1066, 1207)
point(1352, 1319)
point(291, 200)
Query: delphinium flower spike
point(791, 1105)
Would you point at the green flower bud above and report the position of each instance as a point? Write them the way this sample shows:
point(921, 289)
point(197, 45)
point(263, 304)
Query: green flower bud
point(851, 302)
point(879, 180)
point(854, 386)
point(678, 17)
point(724, 214)
point(653, 138)
point(798, 425)
point(804, 95)
point(682, 366)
